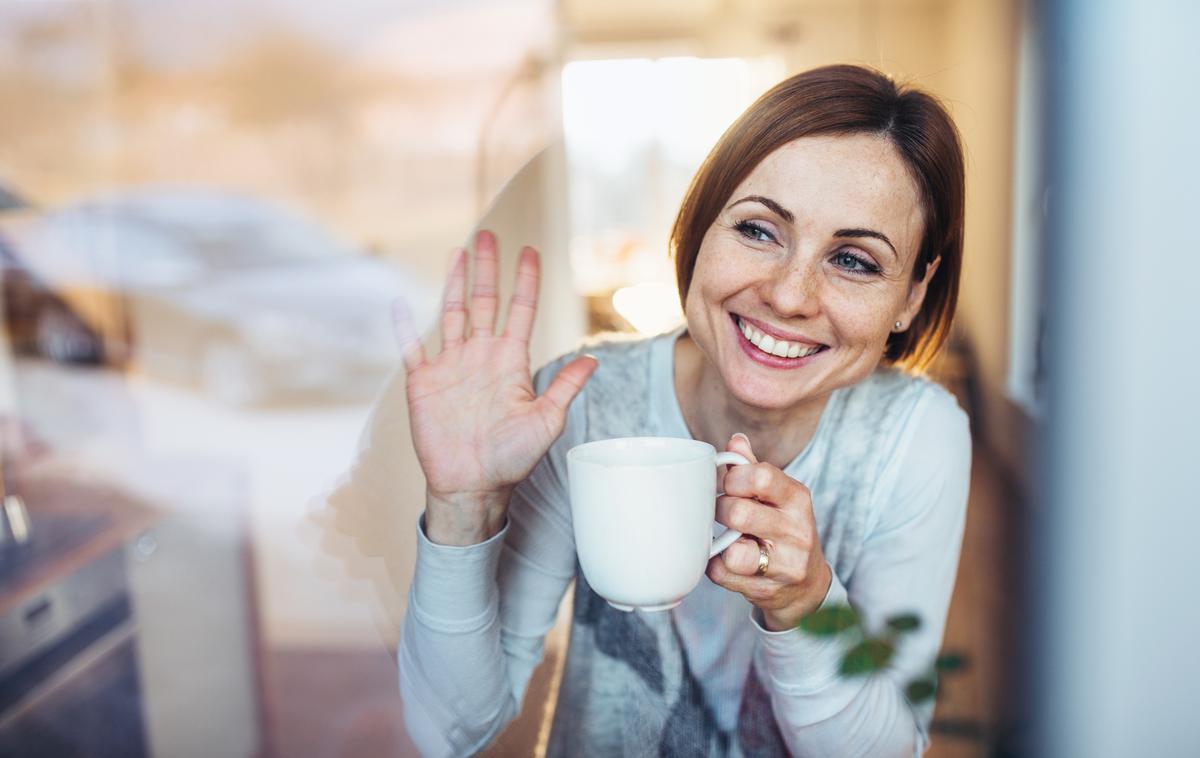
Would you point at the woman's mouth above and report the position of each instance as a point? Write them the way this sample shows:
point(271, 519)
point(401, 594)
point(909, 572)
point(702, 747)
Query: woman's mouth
point(770, 350)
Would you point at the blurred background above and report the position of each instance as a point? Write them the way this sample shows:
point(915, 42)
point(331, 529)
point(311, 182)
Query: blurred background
point(206, 209)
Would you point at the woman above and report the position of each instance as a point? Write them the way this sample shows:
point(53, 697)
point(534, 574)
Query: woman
point(818, 248)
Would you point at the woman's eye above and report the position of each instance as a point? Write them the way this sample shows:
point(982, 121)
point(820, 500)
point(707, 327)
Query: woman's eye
point(851, 262)
point(751, 230)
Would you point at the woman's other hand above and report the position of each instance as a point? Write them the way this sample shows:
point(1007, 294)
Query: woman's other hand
point(477, 425)
point(762, 501)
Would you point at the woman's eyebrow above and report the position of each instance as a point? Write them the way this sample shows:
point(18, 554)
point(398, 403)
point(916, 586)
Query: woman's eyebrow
point(787, 216)
point(867, 233)
point(779, 210)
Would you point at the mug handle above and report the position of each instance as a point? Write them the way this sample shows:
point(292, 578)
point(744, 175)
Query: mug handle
point(729, 536)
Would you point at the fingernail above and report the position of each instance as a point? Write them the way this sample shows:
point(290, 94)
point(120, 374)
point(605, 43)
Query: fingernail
point(592, 356)
point(744, 437)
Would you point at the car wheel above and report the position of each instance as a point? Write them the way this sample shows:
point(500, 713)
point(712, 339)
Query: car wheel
point(62, 339)
point(229, 375)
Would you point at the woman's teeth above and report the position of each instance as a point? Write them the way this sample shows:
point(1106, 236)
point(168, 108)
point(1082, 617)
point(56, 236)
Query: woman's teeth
point(769, 344)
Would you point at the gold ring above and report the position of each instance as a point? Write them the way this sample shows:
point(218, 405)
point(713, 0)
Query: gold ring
point(764, 559)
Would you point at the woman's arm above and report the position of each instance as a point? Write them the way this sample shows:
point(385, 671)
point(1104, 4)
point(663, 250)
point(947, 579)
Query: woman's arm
point(908, 565)
point(478, 614)
point(484, 432)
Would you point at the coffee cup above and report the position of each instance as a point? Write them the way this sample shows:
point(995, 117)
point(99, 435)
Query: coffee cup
point(643, 510)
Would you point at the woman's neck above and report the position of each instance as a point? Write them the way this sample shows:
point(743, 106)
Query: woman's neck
point(713, 415)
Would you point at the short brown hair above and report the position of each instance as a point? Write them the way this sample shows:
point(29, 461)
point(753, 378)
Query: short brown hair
point(843, 100)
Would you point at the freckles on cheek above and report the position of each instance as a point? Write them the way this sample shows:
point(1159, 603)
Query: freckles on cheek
point(696, 295)
point(863, 322)
point(711, 282)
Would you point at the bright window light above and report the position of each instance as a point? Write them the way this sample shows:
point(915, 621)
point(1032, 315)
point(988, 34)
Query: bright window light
point(636, 130)
point(651, 307)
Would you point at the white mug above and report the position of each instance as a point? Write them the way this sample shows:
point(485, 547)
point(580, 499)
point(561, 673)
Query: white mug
point(643, 510)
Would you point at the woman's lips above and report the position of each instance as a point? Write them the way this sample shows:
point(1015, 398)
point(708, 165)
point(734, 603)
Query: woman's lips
point(767, 359)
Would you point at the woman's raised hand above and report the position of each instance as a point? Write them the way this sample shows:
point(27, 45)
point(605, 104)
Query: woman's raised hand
point(477, 424)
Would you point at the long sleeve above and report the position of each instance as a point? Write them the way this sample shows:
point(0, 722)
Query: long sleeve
point(477, 616)
point(908, 565)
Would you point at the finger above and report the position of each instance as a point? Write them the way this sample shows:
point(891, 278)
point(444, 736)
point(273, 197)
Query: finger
point(740, 444)
point(766, 483)
point(751, 517)
point(523, 306)
point(454, 309)
point(406, 334)
point(761, 524)
point(753, 587)
point(483, 293)
point(742, 557)
point(567, 384)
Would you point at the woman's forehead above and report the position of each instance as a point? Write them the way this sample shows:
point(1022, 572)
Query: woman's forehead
point(840, 182)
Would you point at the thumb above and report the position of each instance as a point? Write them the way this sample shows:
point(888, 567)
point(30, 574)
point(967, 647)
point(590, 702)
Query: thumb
point(740, 444)
point(568, 383)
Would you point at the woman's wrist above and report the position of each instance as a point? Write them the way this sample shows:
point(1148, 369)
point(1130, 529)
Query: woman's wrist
point(461, 519)
point(783, 619)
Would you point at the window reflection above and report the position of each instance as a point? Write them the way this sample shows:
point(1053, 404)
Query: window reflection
point(199, 244)
point(636, 130)
point(206, 210)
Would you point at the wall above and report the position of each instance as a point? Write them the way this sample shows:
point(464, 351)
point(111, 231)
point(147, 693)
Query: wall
point(978, 78)
point(965, 52)
point(532, 210)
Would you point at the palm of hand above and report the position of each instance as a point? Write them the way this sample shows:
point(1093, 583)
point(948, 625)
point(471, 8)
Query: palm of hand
point(478, 427)
point(475, 417)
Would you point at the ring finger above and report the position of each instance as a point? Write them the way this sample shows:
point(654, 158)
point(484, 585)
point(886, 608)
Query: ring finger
point(759, 522)
point(745, 556)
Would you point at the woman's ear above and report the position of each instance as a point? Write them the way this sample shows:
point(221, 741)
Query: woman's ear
point(916, 292)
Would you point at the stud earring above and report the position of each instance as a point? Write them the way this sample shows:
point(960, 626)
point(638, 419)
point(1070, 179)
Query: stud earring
point(898, 326)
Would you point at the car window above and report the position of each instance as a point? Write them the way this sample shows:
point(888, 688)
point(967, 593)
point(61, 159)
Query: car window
point(265, 240)
point(231, 232)
point(89, 245)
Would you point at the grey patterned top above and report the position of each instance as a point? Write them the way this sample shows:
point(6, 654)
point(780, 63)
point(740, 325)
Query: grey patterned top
point(888, 468)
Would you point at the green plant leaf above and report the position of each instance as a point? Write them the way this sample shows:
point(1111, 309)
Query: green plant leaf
point(905, 622)
point(950, 662)
point(867, 657)
point(920, 690)
point(827, 622)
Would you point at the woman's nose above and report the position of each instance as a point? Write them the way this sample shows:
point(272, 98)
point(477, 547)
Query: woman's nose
point(792, 291)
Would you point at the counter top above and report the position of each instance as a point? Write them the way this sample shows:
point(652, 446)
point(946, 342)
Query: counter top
point(73, 522)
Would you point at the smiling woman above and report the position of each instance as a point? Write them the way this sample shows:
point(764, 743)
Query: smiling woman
point(817, 253)
point(915, 140)
point(816, 279)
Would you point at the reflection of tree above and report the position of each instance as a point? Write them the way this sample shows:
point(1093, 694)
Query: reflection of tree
point(55, 65)
point(299, 98)
point(385, 151)
point(282, 79)
point(29, 97)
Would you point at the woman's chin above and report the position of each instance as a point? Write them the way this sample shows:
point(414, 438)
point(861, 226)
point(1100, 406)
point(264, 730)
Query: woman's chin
point(768, 396)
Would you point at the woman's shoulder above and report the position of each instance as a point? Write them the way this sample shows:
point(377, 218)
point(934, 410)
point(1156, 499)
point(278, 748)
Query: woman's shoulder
point(924, 444)
point(920, 416)
point(619, 345)
point(615, 400)
point(895, 390)
point(887, 409)
point(619, 354)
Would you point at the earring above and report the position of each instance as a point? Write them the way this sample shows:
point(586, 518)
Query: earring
point(898, 326)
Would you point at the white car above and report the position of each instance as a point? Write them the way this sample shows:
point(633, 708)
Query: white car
point(248, 301)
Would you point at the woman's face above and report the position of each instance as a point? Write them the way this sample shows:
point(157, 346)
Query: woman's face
point(813, 252)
